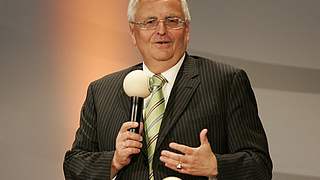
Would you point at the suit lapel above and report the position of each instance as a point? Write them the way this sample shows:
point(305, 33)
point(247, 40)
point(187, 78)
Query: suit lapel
point(185, 85)
point(125, 102)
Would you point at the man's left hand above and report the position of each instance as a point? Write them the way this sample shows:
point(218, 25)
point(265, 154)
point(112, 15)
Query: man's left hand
point(199, 161)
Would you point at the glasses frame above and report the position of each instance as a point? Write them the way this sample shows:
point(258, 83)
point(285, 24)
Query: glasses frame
point(142, 24)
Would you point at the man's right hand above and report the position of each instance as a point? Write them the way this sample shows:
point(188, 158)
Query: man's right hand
point(127, 144)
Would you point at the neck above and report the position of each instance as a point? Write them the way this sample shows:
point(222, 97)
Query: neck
point(158, 67)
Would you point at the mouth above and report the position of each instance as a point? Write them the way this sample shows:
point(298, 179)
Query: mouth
point(162, 42)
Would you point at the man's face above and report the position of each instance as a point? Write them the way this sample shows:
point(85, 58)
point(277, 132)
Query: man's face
point(161, 44)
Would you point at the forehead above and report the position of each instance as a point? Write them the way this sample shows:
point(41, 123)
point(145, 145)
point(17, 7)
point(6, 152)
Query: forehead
point(159, 8)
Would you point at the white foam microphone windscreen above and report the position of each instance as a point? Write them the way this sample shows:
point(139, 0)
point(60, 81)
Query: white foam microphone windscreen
point(136, 83)
point(171, 178)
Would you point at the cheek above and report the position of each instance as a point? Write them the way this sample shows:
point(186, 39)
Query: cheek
point(181, 39)
point(144, 39)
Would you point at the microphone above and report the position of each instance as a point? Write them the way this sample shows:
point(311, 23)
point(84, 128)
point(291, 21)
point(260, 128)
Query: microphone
point(171, 178)
point(136, 86)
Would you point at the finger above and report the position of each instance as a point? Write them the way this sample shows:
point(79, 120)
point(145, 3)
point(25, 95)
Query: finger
point(132, 144)
point(125, 153)
point(203, 136)
point(124, 156)
point(169, 162)
point(182, 148)
point(172, 155)
point(172, 164)
point(131, 136)
point(128, 125)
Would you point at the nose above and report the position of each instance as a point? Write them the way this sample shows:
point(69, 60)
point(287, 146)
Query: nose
point(162, 28)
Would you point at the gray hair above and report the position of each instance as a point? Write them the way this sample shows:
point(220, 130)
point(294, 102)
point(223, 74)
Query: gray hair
point(132, 7)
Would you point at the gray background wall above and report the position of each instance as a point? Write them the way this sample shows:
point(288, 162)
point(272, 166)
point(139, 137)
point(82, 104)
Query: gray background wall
point(276, 41)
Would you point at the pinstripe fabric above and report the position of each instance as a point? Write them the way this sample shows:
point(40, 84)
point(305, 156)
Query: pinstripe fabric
point(206, 94)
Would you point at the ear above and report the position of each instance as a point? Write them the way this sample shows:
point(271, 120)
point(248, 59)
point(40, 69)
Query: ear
point(187, 29)
point(132, 34)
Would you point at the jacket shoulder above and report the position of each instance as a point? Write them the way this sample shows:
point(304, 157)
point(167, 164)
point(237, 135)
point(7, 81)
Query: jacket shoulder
point(114, 79)
point(214, 66)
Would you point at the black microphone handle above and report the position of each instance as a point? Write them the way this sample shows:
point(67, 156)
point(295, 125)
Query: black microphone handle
point(136, 114)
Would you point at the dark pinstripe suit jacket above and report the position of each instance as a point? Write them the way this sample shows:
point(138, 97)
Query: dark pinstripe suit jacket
point(206, 94)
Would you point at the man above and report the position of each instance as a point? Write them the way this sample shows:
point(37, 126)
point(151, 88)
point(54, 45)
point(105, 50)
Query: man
point(206, 114)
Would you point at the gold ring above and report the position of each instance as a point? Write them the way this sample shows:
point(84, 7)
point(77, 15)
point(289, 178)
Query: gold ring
point(179, 165)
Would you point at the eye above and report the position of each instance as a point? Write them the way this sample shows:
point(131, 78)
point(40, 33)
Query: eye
point(172, 20)
point(150, 22)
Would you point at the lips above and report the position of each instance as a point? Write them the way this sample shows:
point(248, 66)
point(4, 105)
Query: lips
point(162, 42)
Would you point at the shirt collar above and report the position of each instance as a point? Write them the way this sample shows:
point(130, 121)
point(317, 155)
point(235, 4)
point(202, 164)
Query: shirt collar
point(169, 74)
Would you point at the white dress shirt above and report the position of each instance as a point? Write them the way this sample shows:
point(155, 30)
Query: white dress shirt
point(170, 76)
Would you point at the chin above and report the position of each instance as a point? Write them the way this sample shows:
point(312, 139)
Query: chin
point(163, 56)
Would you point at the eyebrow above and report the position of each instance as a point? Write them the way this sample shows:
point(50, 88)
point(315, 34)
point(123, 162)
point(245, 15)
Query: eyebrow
point(151, 17)
point(170, 16)
point(173, 16)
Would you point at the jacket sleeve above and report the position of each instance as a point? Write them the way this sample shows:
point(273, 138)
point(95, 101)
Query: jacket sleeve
point(84, 161)
point(248, 157)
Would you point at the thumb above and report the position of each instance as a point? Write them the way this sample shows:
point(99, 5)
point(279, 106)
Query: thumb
point(141, 128)
point(203, 137)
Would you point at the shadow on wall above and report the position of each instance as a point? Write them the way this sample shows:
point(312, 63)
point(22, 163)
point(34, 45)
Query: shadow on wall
point(273, 76)
point(280, 176)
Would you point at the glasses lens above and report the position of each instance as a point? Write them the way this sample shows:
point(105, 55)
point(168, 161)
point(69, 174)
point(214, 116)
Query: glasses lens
point(150, 23)
point(173, 22)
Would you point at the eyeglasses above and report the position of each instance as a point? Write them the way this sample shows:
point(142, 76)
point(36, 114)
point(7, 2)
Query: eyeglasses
point(152, 23)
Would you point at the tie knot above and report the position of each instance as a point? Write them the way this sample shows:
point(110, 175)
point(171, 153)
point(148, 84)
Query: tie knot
point(156, 81)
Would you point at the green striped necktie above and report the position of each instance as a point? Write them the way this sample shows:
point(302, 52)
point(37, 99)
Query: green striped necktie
point(153, 116)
